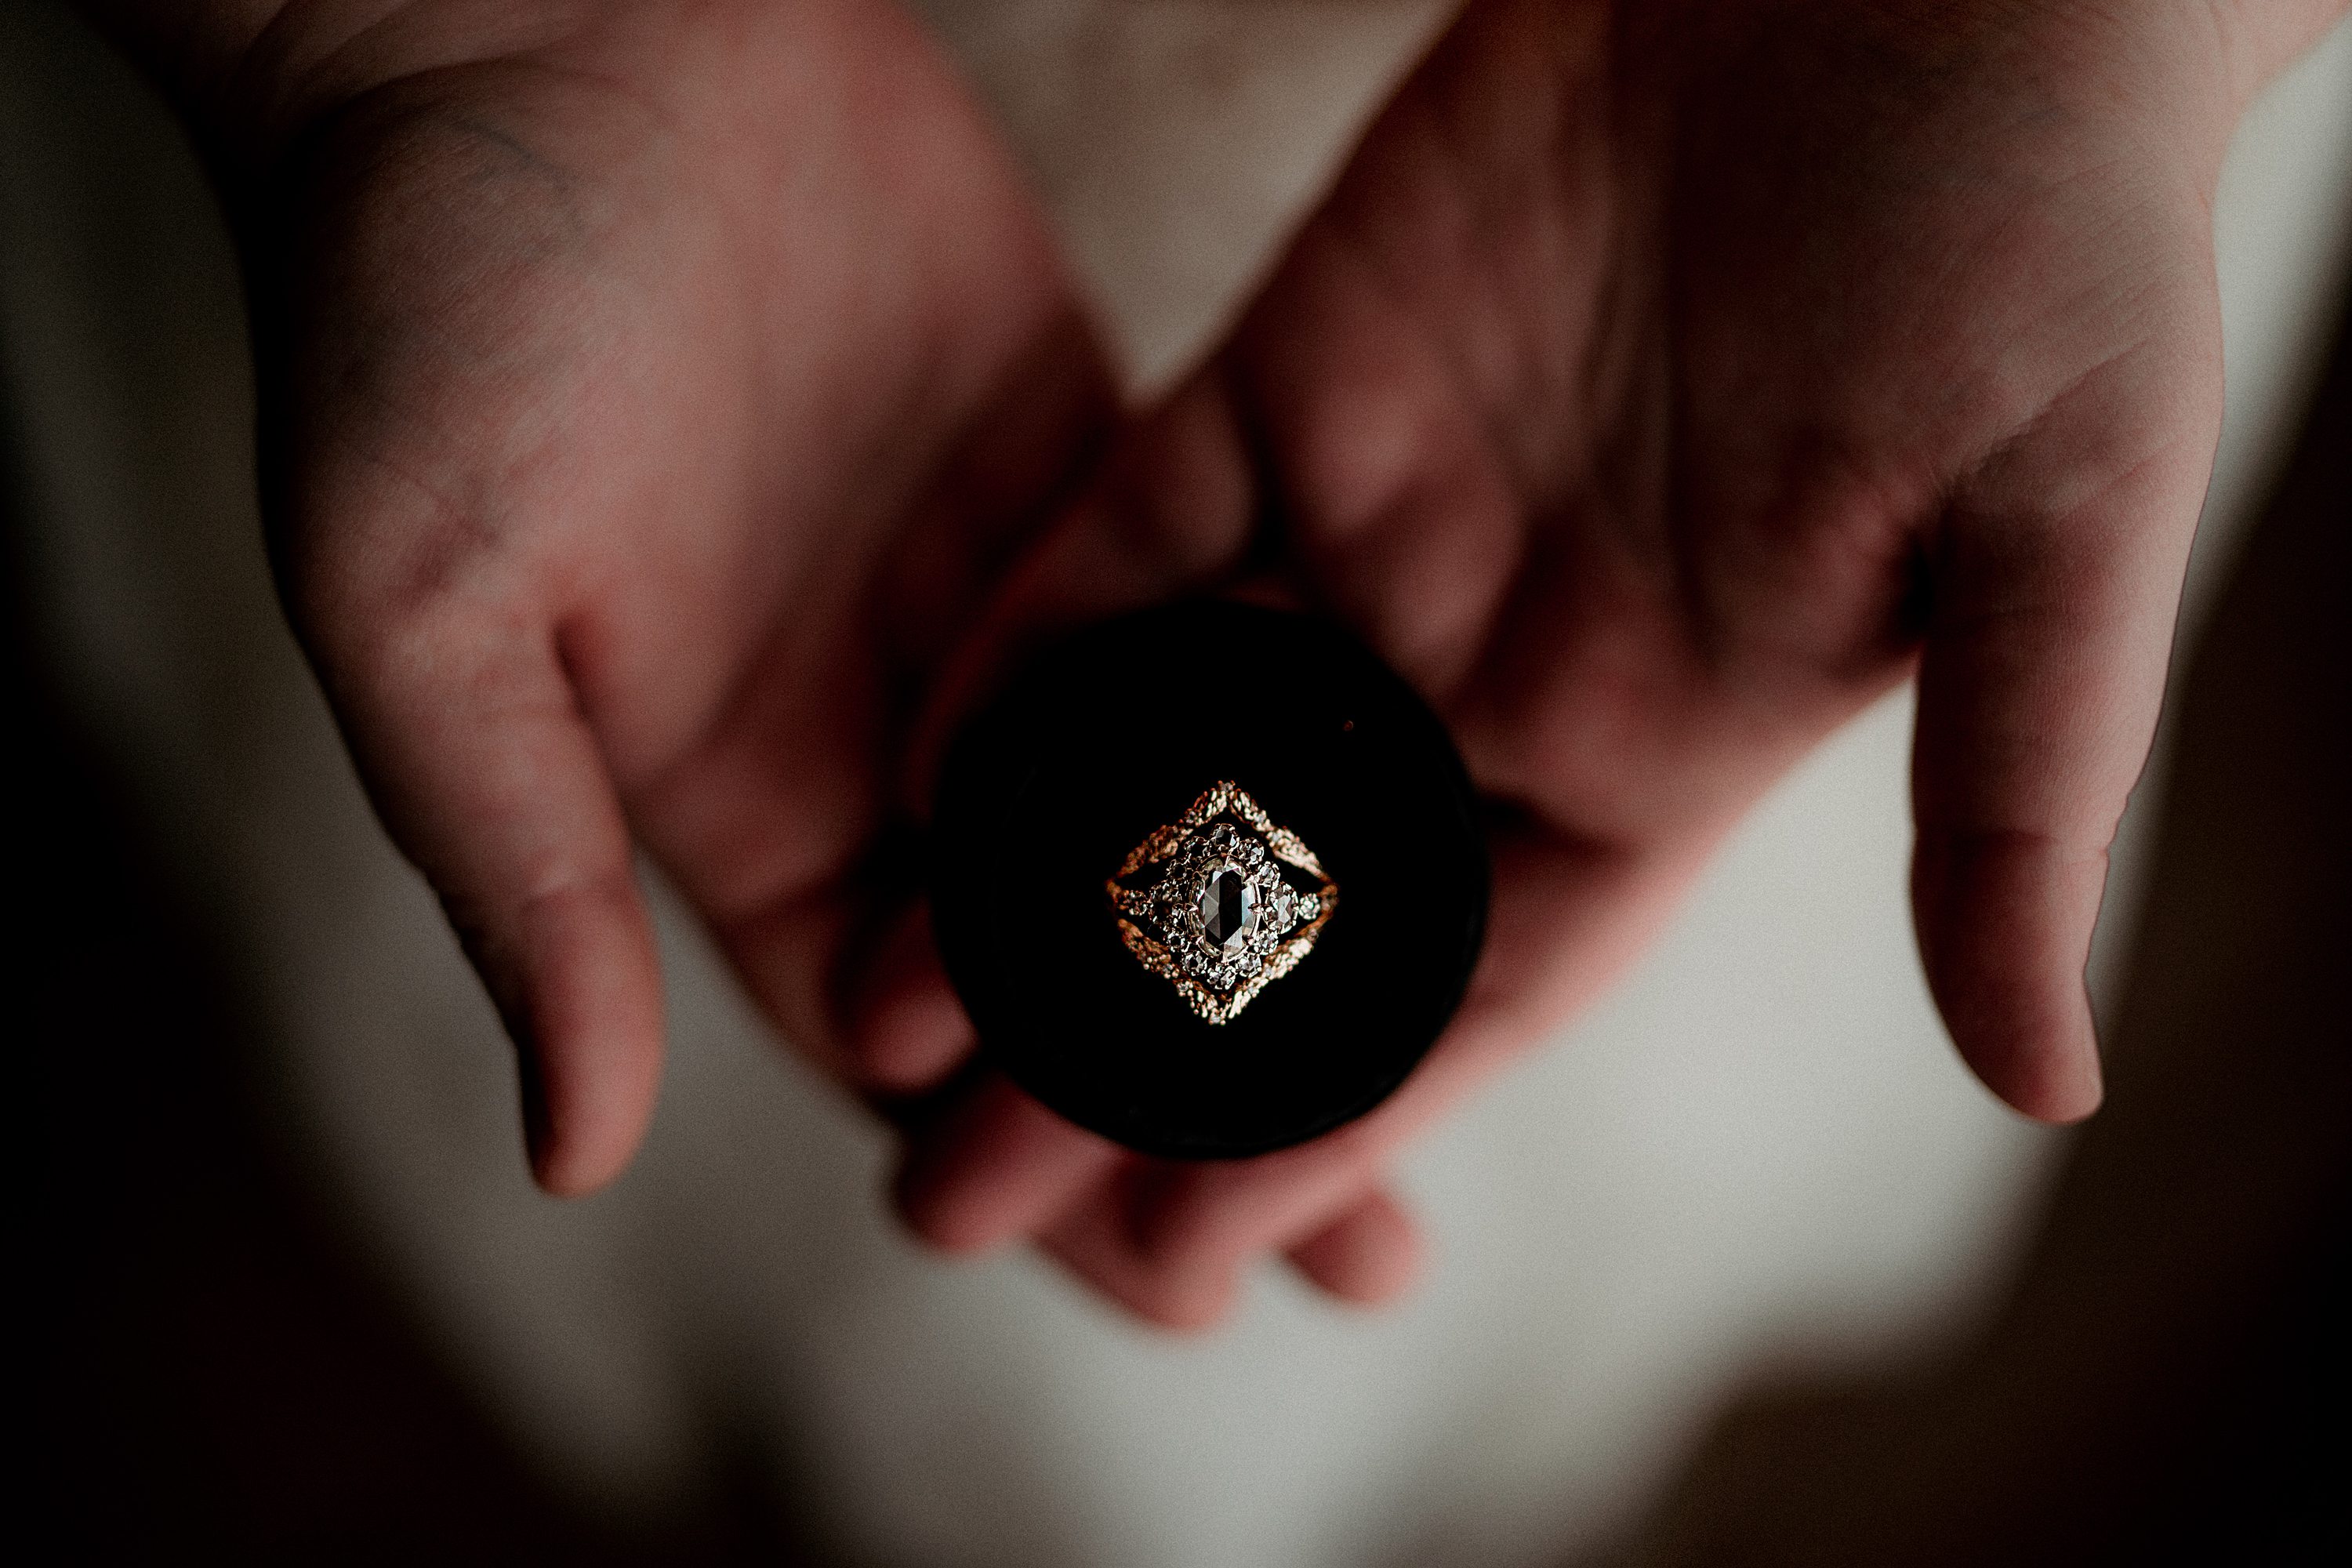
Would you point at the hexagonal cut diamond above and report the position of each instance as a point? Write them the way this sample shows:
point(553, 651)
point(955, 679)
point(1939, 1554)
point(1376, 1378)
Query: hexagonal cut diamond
point(1220, 923)
point(1229, 908)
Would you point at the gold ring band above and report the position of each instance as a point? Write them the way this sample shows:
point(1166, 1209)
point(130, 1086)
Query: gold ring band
point(1224, 917)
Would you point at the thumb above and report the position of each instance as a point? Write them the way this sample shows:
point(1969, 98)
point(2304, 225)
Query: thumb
point(473, 750)
point(2039, 683)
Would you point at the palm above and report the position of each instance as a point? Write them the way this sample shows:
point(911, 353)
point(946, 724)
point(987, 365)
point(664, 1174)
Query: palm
point(663, 393)
point(1653, 423)
point(1652, 392)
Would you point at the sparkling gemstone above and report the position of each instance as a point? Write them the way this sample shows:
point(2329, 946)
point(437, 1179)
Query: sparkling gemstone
point(1228, 908)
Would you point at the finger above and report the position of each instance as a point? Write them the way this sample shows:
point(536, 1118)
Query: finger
point(765, 819)
point(997, 1168)
point(1368, 1256)
point(1170, 1240)
point(490, 780)
point(2039, 687)
point(1391, 500)
point(907, 1032)
point(770, 825)
point(1566, 916)
point(1098, 1241)
point(1359, 1246)
point(1171, 514)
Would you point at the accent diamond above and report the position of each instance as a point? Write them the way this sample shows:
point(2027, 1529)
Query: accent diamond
point(1208, 902)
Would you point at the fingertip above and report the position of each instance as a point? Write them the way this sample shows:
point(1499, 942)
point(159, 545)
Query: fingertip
point(2005, 923)
point(1201, 1307)
point(579, 1153)
point(562, 1169)
point(2060, 1085)
point(2080, 1104)
point(2058, 1082)
point(1186, 1301)
point(909, 1032)
point(2057, 1085)
point(937, 1213)
point(995, 1169)
point(1366, 1256)
point(581, 992)
point(914, 1040)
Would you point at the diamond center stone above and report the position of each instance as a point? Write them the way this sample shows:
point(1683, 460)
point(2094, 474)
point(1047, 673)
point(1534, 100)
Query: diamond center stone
point(1228, 908)
point(1221, 921)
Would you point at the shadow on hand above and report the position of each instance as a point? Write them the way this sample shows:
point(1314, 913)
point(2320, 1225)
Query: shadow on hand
point(214, 1377)
point(2166, 1382)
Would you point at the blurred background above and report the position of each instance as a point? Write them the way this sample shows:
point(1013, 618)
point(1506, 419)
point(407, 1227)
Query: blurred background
point(1743, 1267)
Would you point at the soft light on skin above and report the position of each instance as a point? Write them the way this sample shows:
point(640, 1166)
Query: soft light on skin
point(661, 402)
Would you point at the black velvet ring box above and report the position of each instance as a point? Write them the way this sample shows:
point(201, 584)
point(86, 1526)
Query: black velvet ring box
point(1109, 737)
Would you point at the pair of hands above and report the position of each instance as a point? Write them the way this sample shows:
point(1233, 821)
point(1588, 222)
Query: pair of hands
point(673, 416)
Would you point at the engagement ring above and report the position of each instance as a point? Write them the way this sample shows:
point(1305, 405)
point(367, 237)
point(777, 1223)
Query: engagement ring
point(1221, 903)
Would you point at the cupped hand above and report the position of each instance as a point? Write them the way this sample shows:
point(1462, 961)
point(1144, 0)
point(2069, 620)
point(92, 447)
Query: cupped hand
point(1659, 384)
point(660, 402)
point(653, 397)
point(650, 395)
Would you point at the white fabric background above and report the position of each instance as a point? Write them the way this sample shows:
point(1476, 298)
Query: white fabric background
point(1760, 1151)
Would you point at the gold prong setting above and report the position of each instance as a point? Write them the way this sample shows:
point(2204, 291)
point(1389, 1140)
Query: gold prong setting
point(1221, 903)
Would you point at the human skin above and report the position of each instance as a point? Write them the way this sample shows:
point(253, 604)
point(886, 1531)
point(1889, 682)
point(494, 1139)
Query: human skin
point(665, 410)
point(649, 394)
point(1660, 386)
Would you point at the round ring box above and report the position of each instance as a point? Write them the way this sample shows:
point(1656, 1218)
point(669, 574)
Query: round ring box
point(1111, 736)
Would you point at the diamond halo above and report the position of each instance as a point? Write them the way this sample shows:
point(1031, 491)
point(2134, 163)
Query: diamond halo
point(1224, 917)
